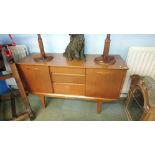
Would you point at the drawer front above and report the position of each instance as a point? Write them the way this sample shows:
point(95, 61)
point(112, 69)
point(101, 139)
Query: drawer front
point(66, 78)
point(25, 68)
point(69, 89)
point(67, 70)
point(99, 72)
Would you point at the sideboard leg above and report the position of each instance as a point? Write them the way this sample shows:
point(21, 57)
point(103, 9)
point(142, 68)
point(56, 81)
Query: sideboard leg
point(42, 99)
point(99, 106)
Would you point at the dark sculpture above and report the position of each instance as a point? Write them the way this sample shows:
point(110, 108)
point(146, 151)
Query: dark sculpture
point(75, 49)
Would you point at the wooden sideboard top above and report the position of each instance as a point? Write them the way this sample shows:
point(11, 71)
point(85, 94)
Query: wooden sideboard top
point(60, 60)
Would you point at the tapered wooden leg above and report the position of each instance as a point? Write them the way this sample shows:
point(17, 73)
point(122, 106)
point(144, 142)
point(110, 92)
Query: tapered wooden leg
point(99, 106)
point(43, 102)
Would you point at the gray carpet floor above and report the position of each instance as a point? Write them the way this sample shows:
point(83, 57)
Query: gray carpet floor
point(70, 110)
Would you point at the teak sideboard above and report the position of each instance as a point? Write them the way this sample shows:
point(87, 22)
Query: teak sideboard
point(73, 79)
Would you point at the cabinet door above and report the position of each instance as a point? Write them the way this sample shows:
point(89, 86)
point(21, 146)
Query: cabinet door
point(36, 78)
point(104, 83)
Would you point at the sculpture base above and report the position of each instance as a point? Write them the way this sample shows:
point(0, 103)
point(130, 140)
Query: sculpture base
point(41, 59)
point(110, 60)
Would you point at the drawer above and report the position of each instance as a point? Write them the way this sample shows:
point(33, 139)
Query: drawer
point(66, 78)
point(69, 89)
point(99, 71)
point(67, 70)
point(32, 67)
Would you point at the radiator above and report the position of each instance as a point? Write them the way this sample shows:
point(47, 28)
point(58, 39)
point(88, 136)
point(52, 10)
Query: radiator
point(18, 52)
point(140, 60)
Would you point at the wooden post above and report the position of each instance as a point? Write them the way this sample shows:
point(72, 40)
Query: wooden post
point(105, 59)
point(41, 46)
point(43, 57)
point(106, 48)
point(21, 90)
